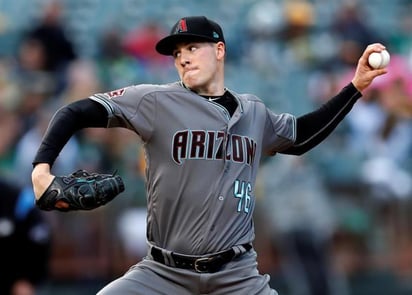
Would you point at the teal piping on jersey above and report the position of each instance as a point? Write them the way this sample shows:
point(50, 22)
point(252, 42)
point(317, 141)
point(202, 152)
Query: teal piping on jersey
point(294, 128)
point(224, 110)
point(100, 98)
point(353, 97)
point(239, 102)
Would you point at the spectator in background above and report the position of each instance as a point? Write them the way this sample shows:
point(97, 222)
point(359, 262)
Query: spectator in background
point(10, 127)
point(50, 34)
point(82, 79)
point(36, 92)
point(24, 152)
point(262, 52)
point(37, 83)
point(353, 32)
point(116, 68)
point(281, 34)
point(379, 131)
point(401, 37)
point(395, 91)
point(303, 223)
point(141, 43)
point(296, 33)
point(24, 241)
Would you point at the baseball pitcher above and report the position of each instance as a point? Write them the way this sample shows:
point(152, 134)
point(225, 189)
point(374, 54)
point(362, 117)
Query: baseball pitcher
point(203, 144)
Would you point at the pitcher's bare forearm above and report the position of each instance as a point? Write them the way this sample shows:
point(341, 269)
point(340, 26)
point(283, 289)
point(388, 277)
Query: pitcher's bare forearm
point(41, 178)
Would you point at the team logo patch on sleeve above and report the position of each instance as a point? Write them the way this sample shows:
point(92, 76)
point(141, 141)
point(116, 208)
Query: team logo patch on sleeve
point(116, 93)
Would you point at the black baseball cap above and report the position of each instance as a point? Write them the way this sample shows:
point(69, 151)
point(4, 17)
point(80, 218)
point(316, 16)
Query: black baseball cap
point(191, 28)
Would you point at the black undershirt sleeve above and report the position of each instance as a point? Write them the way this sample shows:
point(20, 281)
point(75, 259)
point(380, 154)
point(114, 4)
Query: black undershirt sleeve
point(65, 123)
point(314, 127)
point(311, 129)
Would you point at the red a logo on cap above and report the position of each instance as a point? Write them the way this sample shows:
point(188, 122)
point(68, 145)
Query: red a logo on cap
point(182, 25)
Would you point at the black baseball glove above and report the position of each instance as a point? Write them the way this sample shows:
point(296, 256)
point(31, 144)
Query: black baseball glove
point(80, 191)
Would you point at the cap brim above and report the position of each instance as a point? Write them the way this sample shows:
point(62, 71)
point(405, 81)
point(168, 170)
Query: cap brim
point(166, 45)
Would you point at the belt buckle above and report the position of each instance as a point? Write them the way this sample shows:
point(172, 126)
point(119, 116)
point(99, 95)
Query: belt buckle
point(200, 260)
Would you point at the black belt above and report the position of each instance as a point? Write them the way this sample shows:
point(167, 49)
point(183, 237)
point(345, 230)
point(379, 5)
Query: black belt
point(207, 264)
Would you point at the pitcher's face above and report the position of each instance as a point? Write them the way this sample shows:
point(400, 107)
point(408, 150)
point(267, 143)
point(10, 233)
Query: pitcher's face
point(197, 64)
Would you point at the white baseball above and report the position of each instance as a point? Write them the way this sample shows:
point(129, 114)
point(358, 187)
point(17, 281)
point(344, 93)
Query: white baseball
point(379, 60)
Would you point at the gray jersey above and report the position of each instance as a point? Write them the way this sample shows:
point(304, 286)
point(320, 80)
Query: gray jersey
point(201, 164)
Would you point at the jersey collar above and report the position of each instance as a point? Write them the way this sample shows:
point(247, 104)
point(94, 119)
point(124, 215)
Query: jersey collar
point(234, 94)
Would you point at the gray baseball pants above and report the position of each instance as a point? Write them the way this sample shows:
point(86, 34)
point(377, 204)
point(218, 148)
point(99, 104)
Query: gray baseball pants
point(148, 277)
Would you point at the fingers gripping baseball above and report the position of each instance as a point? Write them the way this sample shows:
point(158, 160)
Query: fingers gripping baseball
point(365, 73)
point(80, 191)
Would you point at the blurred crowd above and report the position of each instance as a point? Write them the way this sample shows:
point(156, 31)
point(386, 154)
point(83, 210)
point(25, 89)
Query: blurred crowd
point(338, 217)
